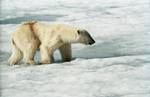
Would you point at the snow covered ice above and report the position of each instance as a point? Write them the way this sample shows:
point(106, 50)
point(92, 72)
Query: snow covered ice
point(118, 65)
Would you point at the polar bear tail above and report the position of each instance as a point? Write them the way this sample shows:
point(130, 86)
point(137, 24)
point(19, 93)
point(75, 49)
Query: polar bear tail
point(16, 53)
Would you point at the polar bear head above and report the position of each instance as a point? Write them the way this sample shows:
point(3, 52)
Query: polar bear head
point(71, 34)
point(84, 37)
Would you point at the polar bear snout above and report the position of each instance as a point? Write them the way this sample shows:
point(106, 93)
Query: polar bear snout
point(91, 41)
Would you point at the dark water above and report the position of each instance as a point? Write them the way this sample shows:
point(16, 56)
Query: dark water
point(30, 17)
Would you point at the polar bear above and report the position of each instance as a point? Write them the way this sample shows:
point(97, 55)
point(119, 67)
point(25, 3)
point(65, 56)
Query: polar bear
point(34, 35)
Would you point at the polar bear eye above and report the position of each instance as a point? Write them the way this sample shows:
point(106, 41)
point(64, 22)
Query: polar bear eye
point(79, 32)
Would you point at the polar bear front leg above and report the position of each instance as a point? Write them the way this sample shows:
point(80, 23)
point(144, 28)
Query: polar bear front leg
point(66, 53)
point(46, 57)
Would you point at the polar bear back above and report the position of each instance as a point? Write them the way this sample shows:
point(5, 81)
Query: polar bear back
point(45, 30)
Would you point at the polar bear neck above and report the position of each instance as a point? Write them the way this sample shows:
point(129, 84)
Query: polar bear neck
point(67, 33)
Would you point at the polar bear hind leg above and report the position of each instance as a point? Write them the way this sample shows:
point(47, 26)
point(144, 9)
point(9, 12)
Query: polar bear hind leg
point(29, 56)
point(29, 52)
point(16, 55)
point(66, 53)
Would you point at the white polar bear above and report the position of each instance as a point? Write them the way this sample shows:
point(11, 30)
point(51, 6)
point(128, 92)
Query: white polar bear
point(31, 36)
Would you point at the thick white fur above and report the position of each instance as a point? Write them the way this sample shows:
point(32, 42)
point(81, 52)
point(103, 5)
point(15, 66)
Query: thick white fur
point(26, 41)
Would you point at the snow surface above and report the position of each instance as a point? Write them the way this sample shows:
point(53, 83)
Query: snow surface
point(117, 65)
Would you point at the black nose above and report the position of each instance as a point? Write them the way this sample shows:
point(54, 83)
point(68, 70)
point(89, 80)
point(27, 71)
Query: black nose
point(92, 41)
